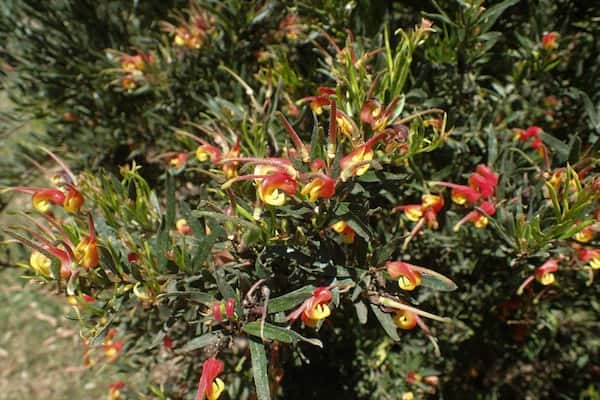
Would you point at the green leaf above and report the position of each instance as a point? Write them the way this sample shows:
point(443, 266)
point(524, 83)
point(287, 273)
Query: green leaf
point(361, 312)
point(489, 17)
point(278, 333)
point(433, 280)
point(386, 322)
point(199, 342)
point(259, 370)
point(290, 300)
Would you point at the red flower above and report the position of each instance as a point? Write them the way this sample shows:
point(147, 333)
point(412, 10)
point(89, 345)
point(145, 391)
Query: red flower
point(408, 279)
point(549, 40)
point(315, 308)
point(86, 252)
point(210, 386)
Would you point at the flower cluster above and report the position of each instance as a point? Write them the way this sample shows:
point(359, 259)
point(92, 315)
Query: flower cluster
point(479, 193)
point(531, 133)
point(133, 69)
point(193, 32)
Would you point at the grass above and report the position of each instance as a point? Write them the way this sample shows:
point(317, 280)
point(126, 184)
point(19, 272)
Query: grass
point(40, 350)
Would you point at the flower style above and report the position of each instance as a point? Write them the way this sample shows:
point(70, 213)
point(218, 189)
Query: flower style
point(210, 386)
point(348, 234)
point(315, 308)
point(408, 278)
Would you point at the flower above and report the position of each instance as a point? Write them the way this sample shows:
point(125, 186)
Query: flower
point(210, 386)
point(178, 160)
point(112, 349)
point(404, 319)
point(86, 252)
point(73, 200)
point(477, 218)
point(315, 308)
point(357, 162)
point(40, 263)
point(273, 188)
point(428, 210)
point(345, 230)
point(321, 186)
point(182, 226)
point(407, 278)
point(114, 390)
point(549, 40)
point(322, 99)
point(373, 113)
point(544, 274)
point(590, 256)
point(585, 235)
point(42, 199)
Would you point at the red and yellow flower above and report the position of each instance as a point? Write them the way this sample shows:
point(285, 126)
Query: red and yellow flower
point(544, 274)
point(549, 40)
point(210, 386)
point(589, 256)
point(315, 308)
point(408, 278)
point(348, 234)
point(405, 319)
point(86, 252)
point(321, 186)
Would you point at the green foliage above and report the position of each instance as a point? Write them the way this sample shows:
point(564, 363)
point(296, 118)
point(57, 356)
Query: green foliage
point(279, 200)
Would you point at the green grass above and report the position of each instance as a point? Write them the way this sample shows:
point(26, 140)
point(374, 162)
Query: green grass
point(40, 350)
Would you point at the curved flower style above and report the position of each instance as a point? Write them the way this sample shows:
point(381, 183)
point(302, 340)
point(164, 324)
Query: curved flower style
point(314, 309)
point(210, 386)
point(408, 279)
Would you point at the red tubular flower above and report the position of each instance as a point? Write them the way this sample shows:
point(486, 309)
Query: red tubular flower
point(477, 218)
point(431, 205)
point(483, 185)
point(356, 162)
point(230, 308)
point(372, 113)
point(591, 256)
point(216, 312)
point(114, 390)
point(407, 278)
point(112, 349)
point(585, 235)
point(413, 212)
point(42, 199)
point(315, 308)
point(321, 186)
point(273, 188)
point(488, 174)
point(73, 200)
point(178, 160)
point(182, 226)
point(86, 252)
point(549, 40)
point(544, 274)
point(210, 386)
point(321, 100)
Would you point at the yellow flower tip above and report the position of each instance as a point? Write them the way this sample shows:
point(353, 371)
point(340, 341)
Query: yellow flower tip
point(547, 279)
point(218, 386)
point(430, 200)
point(585, 235)
point(201, 154)
point(595, 263)
point(321, 311)
point(408, 396)
point(40, 263)
point(182, 226)
point(344, 126)
point(273, 197)
point(413, 213)
point(179, 41)
point(406, 284)
point(42, 206)
point(339, 226)
point(72, 300)
point(458, 198)
point(141, 293)
point(481, 222)
point(404, 319)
